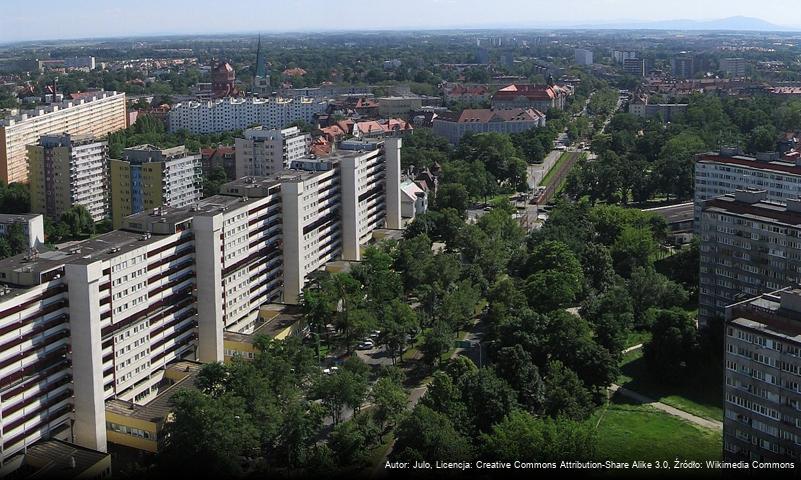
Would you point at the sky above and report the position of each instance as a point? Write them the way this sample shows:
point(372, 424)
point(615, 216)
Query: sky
point(59, 19)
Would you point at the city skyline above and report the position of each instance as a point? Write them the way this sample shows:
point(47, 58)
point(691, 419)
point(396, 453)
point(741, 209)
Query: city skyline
point(93, 19)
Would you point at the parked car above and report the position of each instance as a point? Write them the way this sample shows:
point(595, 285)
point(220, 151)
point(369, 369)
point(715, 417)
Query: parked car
point(365, 345)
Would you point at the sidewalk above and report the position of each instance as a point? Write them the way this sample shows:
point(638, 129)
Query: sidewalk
point(637, 397)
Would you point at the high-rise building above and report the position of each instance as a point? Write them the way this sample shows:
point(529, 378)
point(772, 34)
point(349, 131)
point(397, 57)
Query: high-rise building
point(762, 419)
point(103, 323)
point(748, 247)
point(583, 56)
point(734, 67)
point(683, 66)
point(149, 177)
point(634, 66)
point(68, 170)
point(98, 115)
point(724, 172)
point(620, 56)
point(263, 152)
point(225, 115)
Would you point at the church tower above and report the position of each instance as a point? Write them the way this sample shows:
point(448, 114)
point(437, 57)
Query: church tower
point(261, 82)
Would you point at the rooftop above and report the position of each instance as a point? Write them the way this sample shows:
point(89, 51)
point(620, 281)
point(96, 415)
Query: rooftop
point(184, 374)
point(53, 459)
point(44, 110)
point(777, 313)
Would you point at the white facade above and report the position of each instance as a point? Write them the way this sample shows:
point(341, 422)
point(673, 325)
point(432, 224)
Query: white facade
point(102, 320)
point(32, 227)
point(717, 175)
point(265, 152)
point(229, 114)
point(98, 115)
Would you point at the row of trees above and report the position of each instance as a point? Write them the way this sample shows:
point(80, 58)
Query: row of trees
point(642, 158)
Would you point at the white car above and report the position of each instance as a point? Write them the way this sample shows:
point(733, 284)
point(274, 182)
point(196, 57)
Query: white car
point(365, 345)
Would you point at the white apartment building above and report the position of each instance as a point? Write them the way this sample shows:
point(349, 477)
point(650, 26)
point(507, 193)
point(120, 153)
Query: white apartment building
point(229, 114)
point(100, 322)
point(32, 226)
point(722, 173)
point(68, 170)
point(97, 115)
point(583, 56)
point(267, 151)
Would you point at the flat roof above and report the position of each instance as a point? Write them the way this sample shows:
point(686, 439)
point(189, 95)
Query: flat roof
point(281, 317)
point(17, 217)
point(157, 409)
point(52, 458)
point(765, 211)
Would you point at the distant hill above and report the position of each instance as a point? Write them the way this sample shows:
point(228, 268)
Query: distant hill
point(750, 24)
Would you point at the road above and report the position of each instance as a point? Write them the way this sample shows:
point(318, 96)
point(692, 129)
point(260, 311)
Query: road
point(536, 172)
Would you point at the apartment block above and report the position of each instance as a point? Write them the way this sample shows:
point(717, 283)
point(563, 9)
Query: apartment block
point(148, 177)
point(69, 170)
point(583, 56)
point(762, 420)
point(634, 66)
point(263, 151)
point(98, 115)
point(734, 67)
point(749, 246)
point(91, 337)
point(228, 114)
point(719, 173)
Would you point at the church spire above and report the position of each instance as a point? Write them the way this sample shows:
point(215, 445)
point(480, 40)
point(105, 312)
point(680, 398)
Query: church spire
point(261, 64)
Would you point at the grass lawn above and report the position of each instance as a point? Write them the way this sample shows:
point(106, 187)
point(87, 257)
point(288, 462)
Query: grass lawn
point(548, 178)
point(630, 431)
point(701, 395)
point(635, 337)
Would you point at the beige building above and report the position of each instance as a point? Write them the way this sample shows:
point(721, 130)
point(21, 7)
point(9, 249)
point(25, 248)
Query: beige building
point(96, 115)
point(68, 170)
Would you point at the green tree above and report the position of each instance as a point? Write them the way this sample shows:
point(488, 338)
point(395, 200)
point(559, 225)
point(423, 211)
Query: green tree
point(674, 344)
point(565, 394)
point(426, 434)
point(390, 400)
point(436, 341)
point(452, 195)
point(524, 437)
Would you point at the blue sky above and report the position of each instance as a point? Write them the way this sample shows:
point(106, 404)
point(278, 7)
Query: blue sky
point(55, 19)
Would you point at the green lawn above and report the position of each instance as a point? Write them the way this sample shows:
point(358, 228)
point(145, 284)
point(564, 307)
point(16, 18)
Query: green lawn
point(548, 178)
point(635, 337)
point(630, 431)
point(701, 394)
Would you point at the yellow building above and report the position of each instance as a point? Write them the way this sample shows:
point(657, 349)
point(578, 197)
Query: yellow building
point(141, 426)
point(149, 177)
point(278, 322)
point(95, 113)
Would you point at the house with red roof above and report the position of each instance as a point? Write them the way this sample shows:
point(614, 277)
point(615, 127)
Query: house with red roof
point(539, 97)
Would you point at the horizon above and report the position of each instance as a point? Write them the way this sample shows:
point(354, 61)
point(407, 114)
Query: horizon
point(94, 20)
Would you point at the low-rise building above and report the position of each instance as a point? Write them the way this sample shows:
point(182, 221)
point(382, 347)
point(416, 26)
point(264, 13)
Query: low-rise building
point(512, 120)
point(32, 226)
point(538, 97)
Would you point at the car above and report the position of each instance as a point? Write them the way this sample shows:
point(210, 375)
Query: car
point(375, 334)
point(365, 346)
point(487, 208)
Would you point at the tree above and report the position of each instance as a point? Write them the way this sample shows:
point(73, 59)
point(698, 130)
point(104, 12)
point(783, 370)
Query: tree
point(597, 265)
point(553, 255)
point(633, 248)
point(436, 341)
point(565, 394)
point(396, 325)
point(551, 290)
point(15, 198)
point(338, 390)
point(189, 446)
point(523, 437)
point(487, 397)
point(648, 288)
point(213, 180)
point(79, 221)
point(390, 400)
point(762, 139)
point(452, 195)
point(674, 344)
point(516, 366)
point(426, 434)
